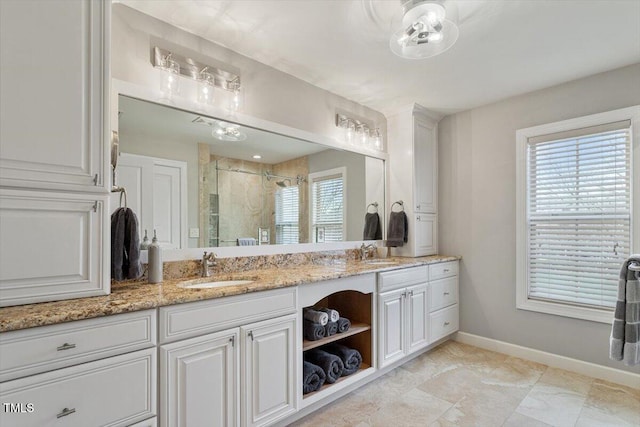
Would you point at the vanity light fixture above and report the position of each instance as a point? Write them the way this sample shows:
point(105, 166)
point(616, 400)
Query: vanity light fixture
point(427, 28)
point(208, 77)
point(358, 133)
point(257, 156)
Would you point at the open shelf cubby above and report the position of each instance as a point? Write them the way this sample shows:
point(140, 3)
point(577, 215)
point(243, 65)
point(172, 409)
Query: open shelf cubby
point(356, 307)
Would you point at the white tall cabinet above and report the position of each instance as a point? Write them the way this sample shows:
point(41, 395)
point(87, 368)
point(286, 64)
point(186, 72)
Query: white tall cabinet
point(54, 179)
point(413, 172)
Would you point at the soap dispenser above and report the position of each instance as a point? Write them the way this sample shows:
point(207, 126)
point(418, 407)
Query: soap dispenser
point(145, 242)
point(155, 261)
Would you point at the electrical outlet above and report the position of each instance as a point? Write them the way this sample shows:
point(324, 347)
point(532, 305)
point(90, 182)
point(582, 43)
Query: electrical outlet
point(194, 233)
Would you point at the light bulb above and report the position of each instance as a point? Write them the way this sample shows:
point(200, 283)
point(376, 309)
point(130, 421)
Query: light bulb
point(434, 37)
point(206, 82)
point(169, 82)
point(236, 98)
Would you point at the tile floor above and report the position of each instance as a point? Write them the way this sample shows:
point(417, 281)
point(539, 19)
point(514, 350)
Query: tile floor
point(461, 385)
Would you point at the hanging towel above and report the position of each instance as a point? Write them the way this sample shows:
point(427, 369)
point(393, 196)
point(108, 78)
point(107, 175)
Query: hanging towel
point(330, 363)
point(316, 316)
point(398, 229)
point(125, 245)
point(625, 332)
point(351, 358)
point(312, 377)
point(343, 324)
point(334, 315)
point(372, 227)
point(331, 328)
point(312, 331)
point(247, 241)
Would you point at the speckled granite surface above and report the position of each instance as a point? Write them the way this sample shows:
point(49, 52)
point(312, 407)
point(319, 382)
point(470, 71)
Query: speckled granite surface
point(265, 272)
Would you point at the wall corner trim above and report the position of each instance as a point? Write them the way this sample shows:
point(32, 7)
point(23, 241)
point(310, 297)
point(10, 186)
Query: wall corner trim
point(606, 373)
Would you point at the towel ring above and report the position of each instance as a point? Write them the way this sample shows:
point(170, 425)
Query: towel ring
point(634, 266)
point(400, 203)
point(123, 192)
point(375, 207)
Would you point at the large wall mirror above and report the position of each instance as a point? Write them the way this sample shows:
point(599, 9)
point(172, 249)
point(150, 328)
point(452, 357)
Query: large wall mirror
point(202, 182)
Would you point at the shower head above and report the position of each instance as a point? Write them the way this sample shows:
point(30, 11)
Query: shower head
point(282, 183)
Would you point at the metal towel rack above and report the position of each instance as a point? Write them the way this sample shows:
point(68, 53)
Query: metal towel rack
point(115, 152)
point(400, 203)
point(375, 207)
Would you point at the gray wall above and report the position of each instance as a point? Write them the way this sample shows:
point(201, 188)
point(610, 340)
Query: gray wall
point(477, 199)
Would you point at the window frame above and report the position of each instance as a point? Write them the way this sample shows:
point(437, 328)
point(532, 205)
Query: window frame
point(318, 176)
point(523, 302)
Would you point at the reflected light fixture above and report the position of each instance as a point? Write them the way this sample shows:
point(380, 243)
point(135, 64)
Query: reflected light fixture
point(228, 132)
point(427, 28)
point(257, 156)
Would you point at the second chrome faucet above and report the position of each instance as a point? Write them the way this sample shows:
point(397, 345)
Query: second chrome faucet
point(208, 260)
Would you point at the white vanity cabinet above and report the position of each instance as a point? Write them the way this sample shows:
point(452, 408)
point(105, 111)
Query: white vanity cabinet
point(413, 172)
point(237, 365)
point(54, 93)
point(443, 300)
point(54, 88)
point(90, 372)
point(403, 313)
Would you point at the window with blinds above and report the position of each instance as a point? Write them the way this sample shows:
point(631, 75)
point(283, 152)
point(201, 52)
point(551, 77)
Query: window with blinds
point(327, 208)
point(578, 214)
point(287, 215)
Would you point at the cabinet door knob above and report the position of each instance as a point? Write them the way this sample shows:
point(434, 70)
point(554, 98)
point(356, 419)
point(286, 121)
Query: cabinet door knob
point(446, 323)
point(65, 412)
point(446, 293)
point(251, 335)
point(233, 341)
point(66, 346)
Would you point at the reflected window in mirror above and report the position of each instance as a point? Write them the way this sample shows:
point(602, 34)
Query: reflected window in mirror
point(287, 213)
point(328, 195)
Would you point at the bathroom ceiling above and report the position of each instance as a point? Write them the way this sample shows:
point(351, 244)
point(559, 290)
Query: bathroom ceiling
point(506, 47)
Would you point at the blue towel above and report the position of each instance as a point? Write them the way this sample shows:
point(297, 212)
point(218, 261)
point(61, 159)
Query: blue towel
point(331, 364)
point(313, 377)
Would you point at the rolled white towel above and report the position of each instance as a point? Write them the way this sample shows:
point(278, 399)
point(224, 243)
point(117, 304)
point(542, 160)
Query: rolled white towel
point(333, 314)
point(316, 316)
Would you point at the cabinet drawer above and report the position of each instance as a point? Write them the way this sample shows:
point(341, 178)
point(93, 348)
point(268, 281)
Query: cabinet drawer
point(117, 391)
point(443, 293)
point(151, 422)
point(443, 322)
point(399, 278)
point(199, 318)
point(71, 230)
point(444, 269)
point(35, 350)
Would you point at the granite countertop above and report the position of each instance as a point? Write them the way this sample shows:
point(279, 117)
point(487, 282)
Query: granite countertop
point(139, 295)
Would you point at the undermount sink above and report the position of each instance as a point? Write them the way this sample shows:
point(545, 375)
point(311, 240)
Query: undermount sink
point(379, 262)
point(216, 284)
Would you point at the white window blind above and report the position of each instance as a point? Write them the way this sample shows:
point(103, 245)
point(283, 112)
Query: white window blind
point(328, 207)
point(578, 214)
point(287, 214)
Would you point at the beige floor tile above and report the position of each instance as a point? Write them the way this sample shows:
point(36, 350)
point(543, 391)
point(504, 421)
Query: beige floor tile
point(470, 357)
point(553, 405)
point(608, 402)
point(515, 372)
point(348, 411)
point(519, 420)
point(415, 408)
point(492, 407)
point(453, 385)
point(571, 381)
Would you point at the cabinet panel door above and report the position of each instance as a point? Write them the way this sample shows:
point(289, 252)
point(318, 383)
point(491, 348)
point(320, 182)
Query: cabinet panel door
point(426, 234)
point(117, 392)
point(417, 317)
point(269, 370)
point(425, 167)
point(391, 314)
point(71, 229)
point(53, 94)
point(199, 381)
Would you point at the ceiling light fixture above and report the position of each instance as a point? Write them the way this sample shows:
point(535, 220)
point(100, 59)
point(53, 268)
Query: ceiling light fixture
point(257, 156)
point(427, 28)
point(222, 130)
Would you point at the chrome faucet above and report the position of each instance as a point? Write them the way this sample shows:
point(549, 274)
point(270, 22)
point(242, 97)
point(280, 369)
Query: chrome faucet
point(208, 260)
point(364, 250)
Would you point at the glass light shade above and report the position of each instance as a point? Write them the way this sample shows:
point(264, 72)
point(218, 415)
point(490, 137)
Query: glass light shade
point(170, 80)
point(376, 139)
point(426, 29)
point(206, 88)
point(236, 100)
point(350, 132)
point(228, 132)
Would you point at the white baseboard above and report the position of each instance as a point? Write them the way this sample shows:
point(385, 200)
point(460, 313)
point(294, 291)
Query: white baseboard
point(618, 376)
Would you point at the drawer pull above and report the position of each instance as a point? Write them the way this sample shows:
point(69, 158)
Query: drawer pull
point(446, 270)
point(251, 335)
point(65, 412)
point(446, 323)
point(66, 346)
point(446, 293)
